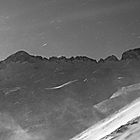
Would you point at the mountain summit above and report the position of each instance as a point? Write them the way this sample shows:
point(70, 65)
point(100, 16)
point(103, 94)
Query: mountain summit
point(19, 56)
point(111, 58)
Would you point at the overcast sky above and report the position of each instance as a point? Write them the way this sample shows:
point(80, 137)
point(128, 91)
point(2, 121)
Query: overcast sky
point(95, 28)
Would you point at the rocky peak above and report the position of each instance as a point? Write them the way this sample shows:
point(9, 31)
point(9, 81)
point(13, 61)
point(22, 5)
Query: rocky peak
point(131, 54)
point(20, 56)
point(77, 59)
point(84, 59)
point(101, 60)
point(112, 58)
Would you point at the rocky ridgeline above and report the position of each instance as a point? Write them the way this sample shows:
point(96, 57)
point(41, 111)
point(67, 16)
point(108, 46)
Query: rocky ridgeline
point(22, 56)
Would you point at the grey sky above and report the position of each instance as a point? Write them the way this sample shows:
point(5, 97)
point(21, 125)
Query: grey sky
point(96, 28)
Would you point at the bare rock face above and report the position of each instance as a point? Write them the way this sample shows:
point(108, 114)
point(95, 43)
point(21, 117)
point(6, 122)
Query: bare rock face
point(22, 56)
point(131, 54)
point(111, 58)
point(19, 56)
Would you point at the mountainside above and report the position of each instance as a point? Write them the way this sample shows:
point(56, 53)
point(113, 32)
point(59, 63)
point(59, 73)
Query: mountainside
point(115, 126)
point(129, 131)
point(57, 98)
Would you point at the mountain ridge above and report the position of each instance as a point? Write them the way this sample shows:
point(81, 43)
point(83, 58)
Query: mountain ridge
point(58, 95)
point(22, 56)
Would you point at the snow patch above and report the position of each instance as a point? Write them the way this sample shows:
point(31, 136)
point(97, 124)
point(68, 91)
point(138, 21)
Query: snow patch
point(63, 85)
point(119, 78)
point(85, 80)
point(119, 92)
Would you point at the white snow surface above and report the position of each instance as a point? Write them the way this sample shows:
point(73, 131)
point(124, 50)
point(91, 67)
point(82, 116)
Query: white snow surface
point(63, 85)
point(110, 124)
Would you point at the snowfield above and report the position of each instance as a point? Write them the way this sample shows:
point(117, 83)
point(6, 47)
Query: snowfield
point(110, 124)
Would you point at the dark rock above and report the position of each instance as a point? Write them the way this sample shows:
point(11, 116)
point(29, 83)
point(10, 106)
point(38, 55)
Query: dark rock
point(101, 61)
point(20, 56)
point(111, 58)
point(131, 54)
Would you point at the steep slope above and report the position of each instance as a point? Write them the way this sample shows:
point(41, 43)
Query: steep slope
point(129, 131)
point(103, 129)
point(119, 99)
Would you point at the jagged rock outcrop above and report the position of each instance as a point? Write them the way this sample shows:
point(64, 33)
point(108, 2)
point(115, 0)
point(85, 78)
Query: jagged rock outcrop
point(131, 54)
point(23, 56)
point(111, 58)
point(19, 56)
point(101, 61)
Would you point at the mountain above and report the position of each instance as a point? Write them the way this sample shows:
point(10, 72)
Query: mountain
point(56, 98)
point(131, 54)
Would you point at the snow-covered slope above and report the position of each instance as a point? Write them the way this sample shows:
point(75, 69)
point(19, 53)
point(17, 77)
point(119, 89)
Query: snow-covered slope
point(129, 131)
point(110, 124)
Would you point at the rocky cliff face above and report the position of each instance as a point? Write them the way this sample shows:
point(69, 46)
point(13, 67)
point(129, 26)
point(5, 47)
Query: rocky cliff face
point(131, 54)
